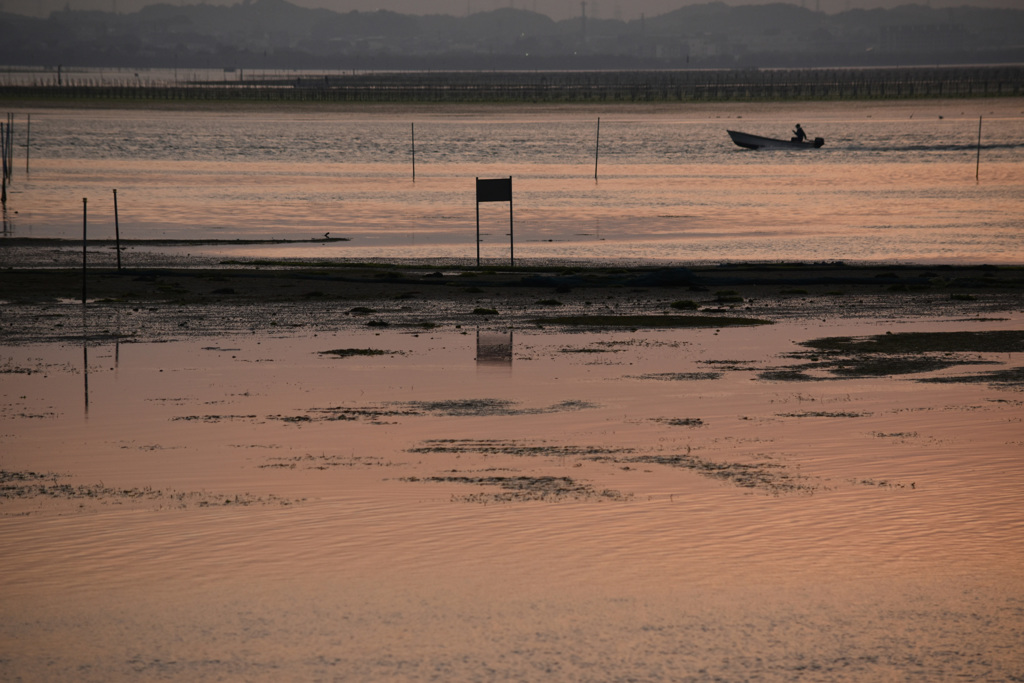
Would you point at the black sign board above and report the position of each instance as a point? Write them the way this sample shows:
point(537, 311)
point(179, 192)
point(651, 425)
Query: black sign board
point(494, 189)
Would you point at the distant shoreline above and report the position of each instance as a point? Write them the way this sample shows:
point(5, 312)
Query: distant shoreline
point(608, 87)
point(158, 242)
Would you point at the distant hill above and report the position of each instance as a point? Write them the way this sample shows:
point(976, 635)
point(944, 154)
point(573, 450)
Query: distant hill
point(278, 34)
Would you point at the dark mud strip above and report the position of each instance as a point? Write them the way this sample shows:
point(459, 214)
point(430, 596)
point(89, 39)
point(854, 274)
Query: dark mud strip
point(325, 462)
point(475, 407)
point(679, 376)
point(679, 421)
point(349, 353)
point(1012, 378)
point(523, 488)
point(22, 485)
point(820, 413)
point(517, 448)
point(996, 341)
point(775, 478)
point(648, 321)
point(905, 353)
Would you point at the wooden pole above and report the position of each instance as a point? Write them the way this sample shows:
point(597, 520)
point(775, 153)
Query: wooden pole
point(413, 152)
point(85, 205)
point(28, 140)
point(3, 151)
point(977, 163)
point(10, 146)
point(3, 165)
point(597, 146)
point(117, 233)
point(511, 230)
point(478, 227)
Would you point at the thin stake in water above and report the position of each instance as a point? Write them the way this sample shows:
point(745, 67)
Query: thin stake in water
point(4, 170)
point(597, 146)
point(117, 233)
point(85, 204)
point(977, 164)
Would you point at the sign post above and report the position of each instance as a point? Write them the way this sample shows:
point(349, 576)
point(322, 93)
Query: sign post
point(495, 190)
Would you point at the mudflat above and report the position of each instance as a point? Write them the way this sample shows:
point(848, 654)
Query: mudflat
point(406, 471)
point(170, 295)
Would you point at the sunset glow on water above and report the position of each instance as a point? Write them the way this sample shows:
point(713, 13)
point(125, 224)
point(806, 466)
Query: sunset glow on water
point(452, 478)
point(895, 181)
point(241, 480)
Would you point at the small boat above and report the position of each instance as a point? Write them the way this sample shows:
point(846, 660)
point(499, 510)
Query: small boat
point(749, 141)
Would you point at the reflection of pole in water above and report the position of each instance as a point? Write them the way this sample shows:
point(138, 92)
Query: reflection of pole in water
point(494, 347)
point(85, 359)
point(117, 337)
point(977, 163)
point(10, 146)
point(3, 164)
point(85, 372)
point(117, 232)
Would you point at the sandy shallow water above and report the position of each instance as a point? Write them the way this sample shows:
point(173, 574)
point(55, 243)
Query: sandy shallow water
point(483, 500)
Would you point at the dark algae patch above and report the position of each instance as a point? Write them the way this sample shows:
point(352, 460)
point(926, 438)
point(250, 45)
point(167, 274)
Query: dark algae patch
point(680, 421)
point(823, 413)
point(998, 341)
point(15, 485)
point(679, 376)
point(524, 488)
point(324, 461)
point(1011, 377)
point(904, 353)
point(488, 406)
point(518, 448)
point(467, 407)
point(768, 476)
point(348, 353)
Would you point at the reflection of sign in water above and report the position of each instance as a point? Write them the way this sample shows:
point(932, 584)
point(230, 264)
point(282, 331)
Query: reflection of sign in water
point(494, 347)
point(495, 190)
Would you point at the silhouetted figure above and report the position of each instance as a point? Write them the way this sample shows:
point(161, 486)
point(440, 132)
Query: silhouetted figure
point(798, 134)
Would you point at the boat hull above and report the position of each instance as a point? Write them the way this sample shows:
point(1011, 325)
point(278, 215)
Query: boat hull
point(748, 141)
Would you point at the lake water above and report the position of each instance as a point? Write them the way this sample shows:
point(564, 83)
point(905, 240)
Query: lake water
point(247, 507)
point(210, 494)
point(894, 182)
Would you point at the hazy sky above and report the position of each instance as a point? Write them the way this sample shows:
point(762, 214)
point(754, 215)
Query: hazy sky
point(558, 9)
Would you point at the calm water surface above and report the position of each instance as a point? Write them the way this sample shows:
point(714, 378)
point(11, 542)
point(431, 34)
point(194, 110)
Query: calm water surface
point(254, 509)
point(895, 181)
point(896, 555)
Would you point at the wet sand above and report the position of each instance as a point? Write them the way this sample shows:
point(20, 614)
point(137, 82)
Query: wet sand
point(256, 471)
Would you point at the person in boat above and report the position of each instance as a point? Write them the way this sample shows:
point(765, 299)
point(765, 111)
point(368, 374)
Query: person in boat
point(798, 134)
